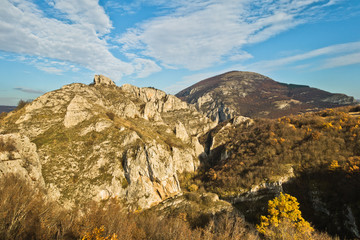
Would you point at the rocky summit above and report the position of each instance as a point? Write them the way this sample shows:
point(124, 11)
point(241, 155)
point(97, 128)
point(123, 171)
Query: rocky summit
point(99, 141)
point(253, 95)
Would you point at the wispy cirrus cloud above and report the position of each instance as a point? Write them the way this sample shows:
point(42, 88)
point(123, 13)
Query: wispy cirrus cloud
point(77, 36)
point(200, 34)
point(329, 57)
point(84, 12)
point(345, 60)
point(192, 34)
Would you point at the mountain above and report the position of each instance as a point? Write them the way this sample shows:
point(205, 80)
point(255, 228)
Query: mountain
point(253, 95)
point(99, 141)
point(139, 162)
point(6, 108)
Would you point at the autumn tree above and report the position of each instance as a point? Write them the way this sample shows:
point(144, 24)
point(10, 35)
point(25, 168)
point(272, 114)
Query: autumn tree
point(284, 220)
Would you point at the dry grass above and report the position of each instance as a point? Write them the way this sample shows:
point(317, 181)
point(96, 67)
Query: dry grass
point(267, 150)
point(25, 214)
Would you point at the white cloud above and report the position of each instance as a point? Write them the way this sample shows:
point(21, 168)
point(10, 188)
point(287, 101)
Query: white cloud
point(240, 56)
point(145, 67)
point(199, 34)
point(348, 59)
point(79, 39)
point(85, 12)
point(338, 49)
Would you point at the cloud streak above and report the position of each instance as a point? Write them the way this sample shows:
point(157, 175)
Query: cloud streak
point(350, 54)
point(348, 59)
point(29, 90)
point(200, 34)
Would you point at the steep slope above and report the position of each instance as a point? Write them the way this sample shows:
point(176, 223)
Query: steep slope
point(18, 156)
point(253, 95)
point(313, 156)
point(101, 141)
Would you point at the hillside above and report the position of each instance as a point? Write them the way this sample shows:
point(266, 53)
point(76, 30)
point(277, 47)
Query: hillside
point(99, 159)
point(99, 141)
point(313, 156)
point(253, 95)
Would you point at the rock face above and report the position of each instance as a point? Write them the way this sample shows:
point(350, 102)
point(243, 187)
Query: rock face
point(102, 141)
point(253, 95)
point(77, 111)
point(102, 80)
point(18, 156)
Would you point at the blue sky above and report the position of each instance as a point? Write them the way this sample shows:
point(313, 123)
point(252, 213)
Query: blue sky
point(172, 44)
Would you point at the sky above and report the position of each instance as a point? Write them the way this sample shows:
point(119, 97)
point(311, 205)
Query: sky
point(172, 44)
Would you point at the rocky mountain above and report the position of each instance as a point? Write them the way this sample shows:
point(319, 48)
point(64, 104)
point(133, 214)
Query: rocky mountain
point(253, 95)
point(99, 141)
point(145, 149)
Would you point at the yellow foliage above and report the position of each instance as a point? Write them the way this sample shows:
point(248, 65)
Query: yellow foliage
point(352, 165)
point(183, 216)
point(212, 174)
point(284, 211)
point(328, 125)
point(334, 165)
point(193, 188)
point(97, 234)
point(284, 120)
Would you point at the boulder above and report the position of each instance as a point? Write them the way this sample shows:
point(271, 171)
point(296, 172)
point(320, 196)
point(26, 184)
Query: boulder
point(102, 80)
point(20, 157)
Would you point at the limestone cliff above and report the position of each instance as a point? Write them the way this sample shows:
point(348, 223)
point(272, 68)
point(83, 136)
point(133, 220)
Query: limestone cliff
point(18, 156)
point(98, 141)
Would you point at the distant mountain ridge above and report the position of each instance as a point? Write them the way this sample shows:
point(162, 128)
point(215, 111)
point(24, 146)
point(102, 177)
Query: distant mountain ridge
point(4, 108)
point(253, 95)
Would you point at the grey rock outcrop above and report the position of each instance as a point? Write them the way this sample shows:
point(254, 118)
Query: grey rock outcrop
point(77, 111)
point(102, 80)
point(180, 132)
point(20, 158)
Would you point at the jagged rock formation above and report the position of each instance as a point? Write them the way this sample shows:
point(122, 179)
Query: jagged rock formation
point(102, 80)
point(18, 156)
point(253, 95)
point(101, 141)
